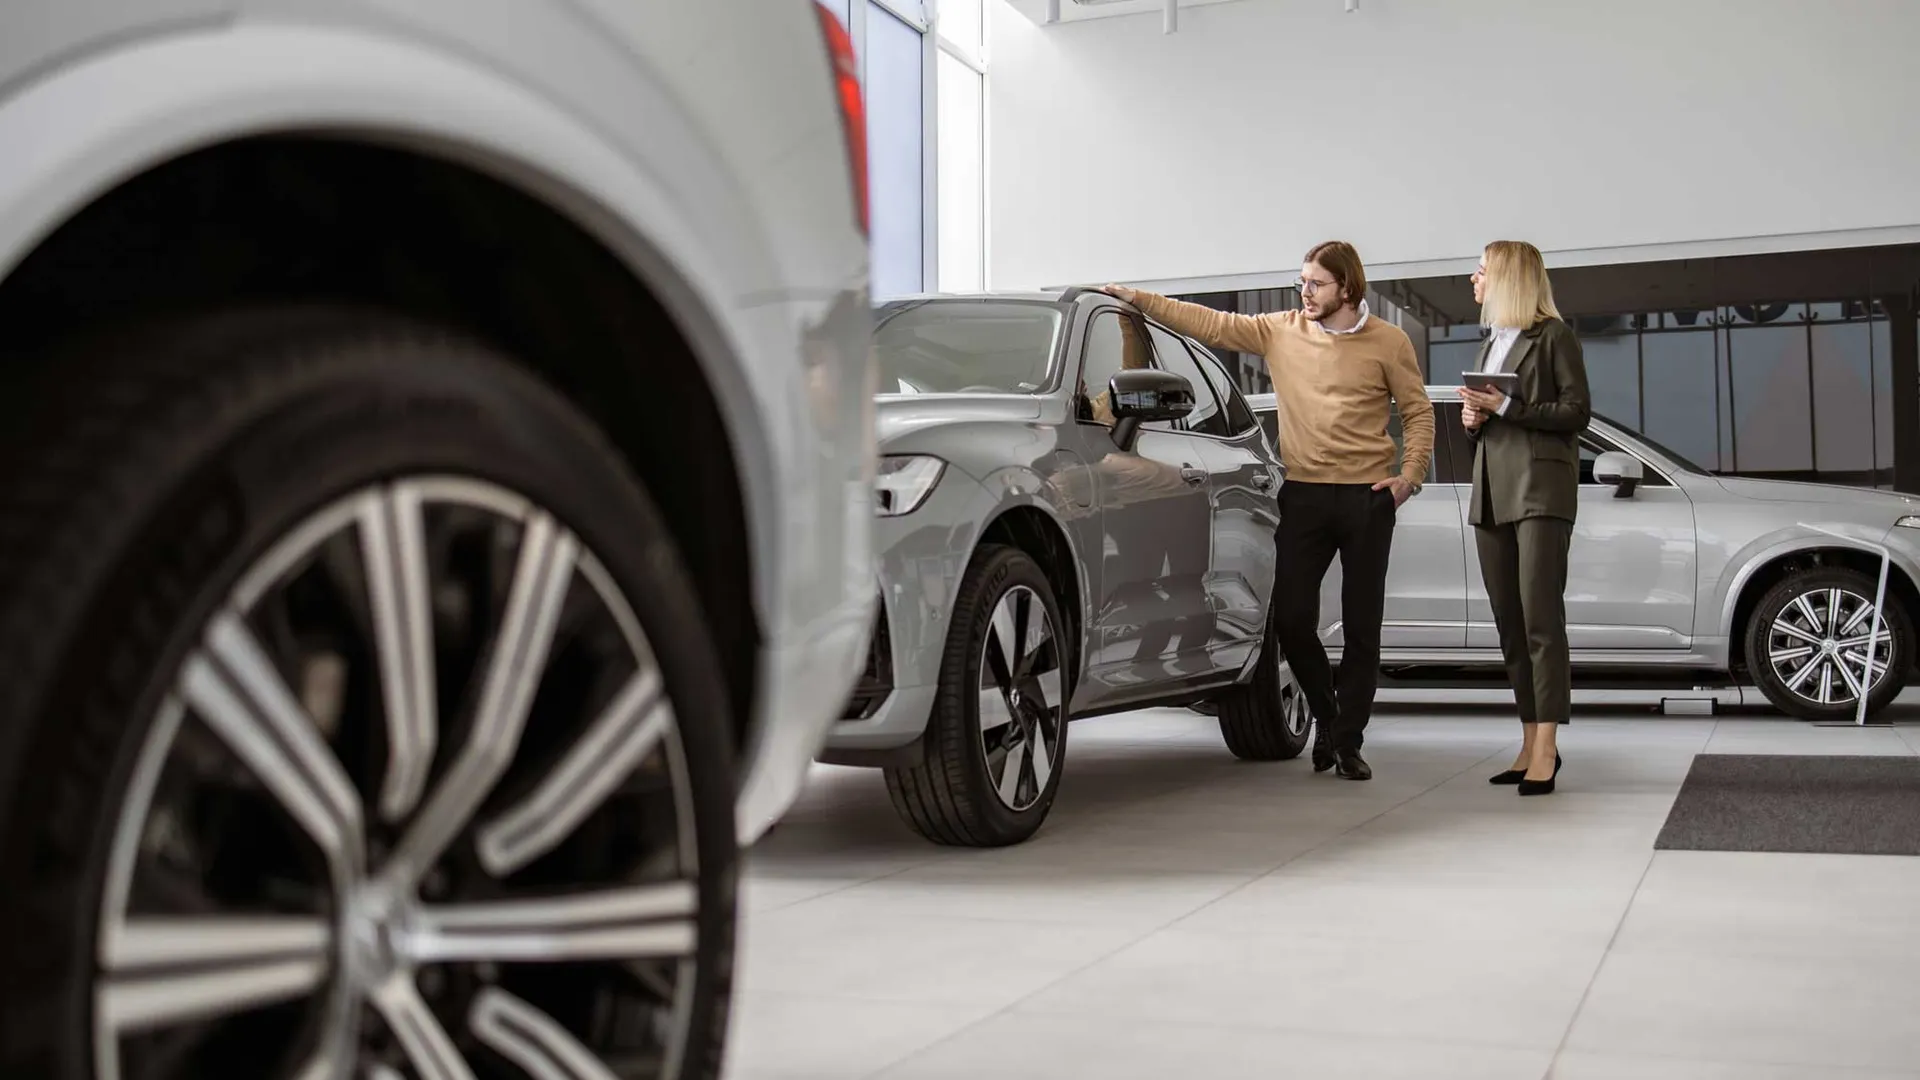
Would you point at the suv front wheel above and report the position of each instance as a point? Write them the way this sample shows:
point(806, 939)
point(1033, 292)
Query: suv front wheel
point(1812, 646)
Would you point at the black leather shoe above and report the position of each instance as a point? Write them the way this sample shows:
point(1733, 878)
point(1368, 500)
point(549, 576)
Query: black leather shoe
point(1537, 787)
point(1354, 767)
point(1323, 756)
point(1514, 776)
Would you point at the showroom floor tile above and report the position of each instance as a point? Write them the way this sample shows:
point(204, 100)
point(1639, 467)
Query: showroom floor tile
point(1186, 913)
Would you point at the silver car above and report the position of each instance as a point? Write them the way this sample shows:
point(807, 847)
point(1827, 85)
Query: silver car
point(1076, 517)
point(435, 520)
point(1673, 571)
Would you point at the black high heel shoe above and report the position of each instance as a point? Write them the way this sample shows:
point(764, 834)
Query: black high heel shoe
point(1540, 787)
point(1514, 776)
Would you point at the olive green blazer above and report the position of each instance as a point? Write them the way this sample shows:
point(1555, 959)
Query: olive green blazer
point(1526, 463)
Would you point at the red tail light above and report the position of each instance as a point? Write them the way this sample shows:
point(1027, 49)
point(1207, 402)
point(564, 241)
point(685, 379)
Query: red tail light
point(853, 106)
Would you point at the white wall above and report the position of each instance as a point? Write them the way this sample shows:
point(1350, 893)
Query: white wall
point(1602, 130)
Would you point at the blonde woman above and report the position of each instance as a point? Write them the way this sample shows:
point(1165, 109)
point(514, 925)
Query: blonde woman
point(1526, 487)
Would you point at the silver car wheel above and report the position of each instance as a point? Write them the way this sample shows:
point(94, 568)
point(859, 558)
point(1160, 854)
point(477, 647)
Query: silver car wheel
point(1818, 646)
point(1020, 698)
point(352, 889)
point(1293, 709)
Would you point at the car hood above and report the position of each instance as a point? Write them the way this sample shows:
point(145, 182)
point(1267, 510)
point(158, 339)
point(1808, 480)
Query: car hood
point(1790, 491)
point(899, 416)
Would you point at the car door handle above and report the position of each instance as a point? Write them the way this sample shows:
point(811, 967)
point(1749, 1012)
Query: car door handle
point(1263, 481)
point(1192, 475)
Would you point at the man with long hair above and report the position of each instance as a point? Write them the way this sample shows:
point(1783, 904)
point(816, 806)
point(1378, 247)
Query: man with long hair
point(1337, 372)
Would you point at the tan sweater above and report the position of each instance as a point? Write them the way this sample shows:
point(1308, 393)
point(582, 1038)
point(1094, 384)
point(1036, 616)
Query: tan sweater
point(1333, 390)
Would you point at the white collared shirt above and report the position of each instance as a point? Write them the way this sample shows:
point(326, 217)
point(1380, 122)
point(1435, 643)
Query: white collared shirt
point(1356, 326)
point(1497, 353)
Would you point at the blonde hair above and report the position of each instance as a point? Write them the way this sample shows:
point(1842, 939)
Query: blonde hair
point(1518, 292)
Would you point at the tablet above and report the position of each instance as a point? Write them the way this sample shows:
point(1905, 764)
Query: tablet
point(1504, 381)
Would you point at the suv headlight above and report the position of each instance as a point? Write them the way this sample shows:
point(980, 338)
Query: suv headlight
point(904, 482)
point(1911, 521)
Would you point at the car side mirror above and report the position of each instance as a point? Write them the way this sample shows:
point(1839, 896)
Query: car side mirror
point(1146, 396)
point(1623, 471)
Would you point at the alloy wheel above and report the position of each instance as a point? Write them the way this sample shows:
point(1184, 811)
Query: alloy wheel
point(1293, 707)
point(1020, 698)
point(1829, 646)
point(415, 803)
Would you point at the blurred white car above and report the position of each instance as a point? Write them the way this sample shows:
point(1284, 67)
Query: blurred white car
point(1673, 571)
point(435, 522)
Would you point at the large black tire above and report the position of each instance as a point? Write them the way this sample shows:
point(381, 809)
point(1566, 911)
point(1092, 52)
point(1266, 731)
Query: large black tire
point(143, 477)
point(950, 794)
point(1267, 718)
point(1818, 585)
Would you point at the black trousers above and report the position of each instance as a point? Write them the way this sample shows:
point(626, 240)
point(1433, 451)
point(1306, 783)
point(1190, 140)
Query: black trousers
point(1317, 522)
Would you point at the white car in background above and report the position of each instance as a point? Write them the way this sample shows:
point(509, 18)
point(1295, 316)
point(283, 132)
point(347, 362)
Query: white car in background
point(1674, 572)
point(435, 522)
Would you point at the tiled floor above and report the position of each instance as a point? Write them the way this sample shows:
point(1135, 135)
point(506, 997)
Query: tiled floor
point(1184, 914)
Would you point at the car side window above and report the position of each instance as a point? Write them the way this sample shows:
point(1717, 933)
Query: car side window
point(1206, 417)
point(1270, 423)
point(1115, 342)
point(1233, 404)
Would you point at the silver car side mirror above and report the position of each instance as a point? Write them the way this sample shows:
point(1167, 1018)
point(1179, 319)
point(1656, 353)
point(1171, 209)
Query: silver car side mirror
point(1623, 471)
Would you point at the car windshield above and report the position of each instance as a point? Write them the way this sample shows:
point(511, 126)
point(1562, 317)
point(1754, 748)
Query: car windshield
point(1679, 460)
point(965, 346)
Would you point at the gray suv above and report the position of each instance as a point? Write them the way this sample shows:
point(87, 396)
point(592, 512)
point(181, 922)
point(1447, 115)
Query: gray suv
point(1674, 571)
point(1076, 517)
point(436, 466)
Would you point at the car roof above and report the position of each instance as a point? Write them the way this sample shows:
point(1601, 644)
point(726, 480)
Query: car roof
point(1056, 297)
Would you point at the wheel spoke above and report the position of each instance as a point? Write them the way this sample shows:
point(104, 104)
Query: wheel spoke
point(1805, 607)
point(1011, 771)
point(1039, 633)
point(1784, 627)
point(1801, 677)
point(1787, 656)
point(640, 921)
point(164, 971)
point(994, 713)
point(1048, 683)
point(638, 718)
point(531, 1039)
point(235, 688)
point(1006, 642)
point(1042, 759)
point(519, 655)
point(393, 546)
point(425, 1041)
point(1857, 687)
point(1864, 612)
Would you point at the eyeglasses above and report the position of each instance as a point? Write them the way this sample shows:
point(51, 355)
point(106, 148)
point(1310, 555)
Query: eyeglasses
point(1310, 286)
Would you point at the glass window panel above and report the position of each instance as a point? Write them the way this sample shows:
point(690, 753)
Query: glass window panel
point(1113, 343)
point(1678, 372)
point(1772, 417)
point(1828, 312)
point(1239, 417)
point(960, 23)
point(965, 346)
point(1613, 376)
point(1447, 359)
point(963, 179)
point(1843, 398)
point(895, 153)
point(1206, 417)
point(1882, 394)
